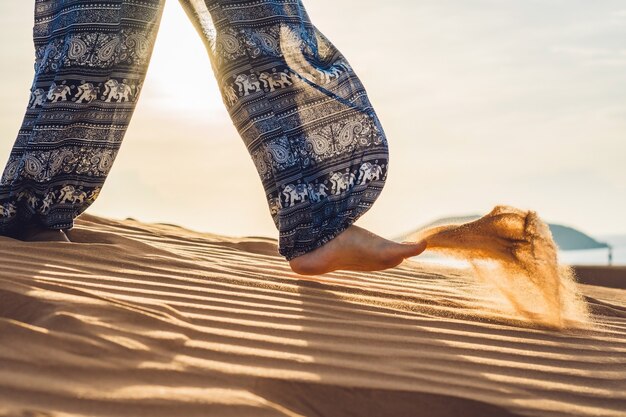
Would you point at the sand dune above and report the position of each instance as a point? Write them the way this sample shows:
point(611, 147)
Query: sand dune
point(156, 320)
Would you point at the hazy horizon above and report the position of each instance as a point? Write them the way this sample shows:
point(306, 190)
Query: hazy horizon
point(484, 102)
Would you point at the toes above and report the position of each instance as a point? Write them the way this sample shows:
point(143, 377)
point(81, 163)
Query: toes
point(414, 248)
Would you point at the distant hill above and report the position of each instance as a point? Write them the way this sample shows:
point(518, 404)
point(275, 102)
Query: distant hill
point(567, 238)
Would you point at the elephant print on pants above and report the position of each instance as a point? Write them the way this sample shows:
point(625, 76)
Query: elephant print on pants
point(58, 92)
point(342, 182)
point(71, 194)
point(275, 80)
point(317, 192)
point(46, 203)
point(114, 90)
point(370, 172)
point(299, 107)
point(86, 93)
point(247, 84)
point(37, 98)
point(230, 95)
point(295, 193)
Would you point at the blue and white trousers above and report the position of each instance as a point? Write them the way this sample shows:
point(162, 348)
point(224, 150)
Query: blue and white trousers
point(302, 112)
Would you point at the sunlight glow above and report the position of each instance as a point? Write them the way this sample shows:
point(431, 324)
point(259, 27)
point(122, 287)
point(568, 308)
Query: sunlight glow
point(180, 77)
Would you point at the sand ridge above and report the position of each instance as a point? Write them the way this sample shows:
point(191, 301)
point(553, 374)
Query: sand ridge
point(156, 320)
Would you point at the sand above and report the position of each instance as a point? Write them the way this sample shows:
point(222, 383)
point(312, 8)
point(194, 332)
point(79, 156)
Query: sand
point(513, 251)
point(155, 320)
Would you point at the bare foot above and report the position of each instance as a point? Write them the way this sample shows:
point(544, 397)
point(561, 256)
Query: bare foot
point(355, 249)
point(40, 234)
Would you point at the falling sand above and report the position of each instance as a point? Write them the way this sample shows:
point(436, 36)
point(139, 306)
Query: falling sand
point(513, 250)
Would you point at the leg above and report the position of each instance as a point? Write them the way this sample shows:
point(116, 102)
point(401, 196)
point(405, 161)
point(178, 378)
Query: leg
point(91, 58)
point(305, 118)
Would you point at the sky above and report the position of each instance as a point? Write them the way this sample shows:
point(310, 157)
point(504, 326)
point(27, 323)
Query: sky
point(484, 102)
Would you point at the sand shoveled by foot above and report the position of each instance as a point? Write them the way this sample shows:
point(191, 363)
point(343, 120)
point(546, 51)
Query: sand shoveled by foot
point(514, 251)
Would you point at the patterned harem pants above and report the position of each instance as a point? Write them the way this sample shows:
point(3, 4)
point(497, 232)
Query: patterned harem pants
point(303, 114)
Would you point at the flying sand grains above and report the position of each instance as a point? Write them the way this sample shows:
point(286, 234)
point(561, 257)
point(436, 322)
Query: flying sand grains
point(513, 250)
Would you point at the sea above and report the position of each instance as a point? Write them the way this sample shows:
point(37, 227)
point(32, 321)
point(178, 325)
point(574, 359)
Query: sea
point(598, 256)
